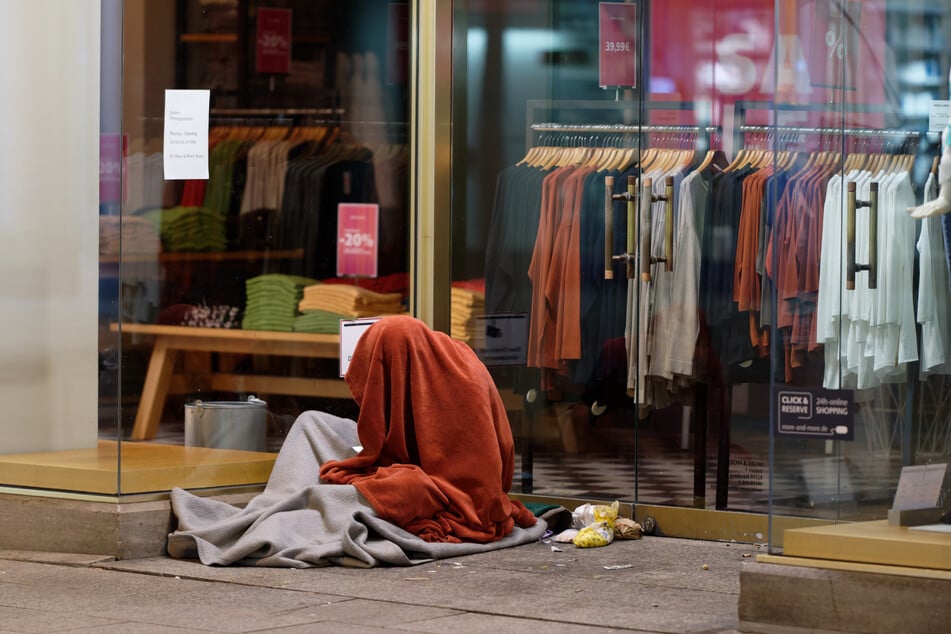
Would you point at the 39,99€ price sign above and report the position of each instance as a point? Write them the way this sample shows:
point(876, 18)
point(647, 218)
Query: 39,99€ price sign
point(618, 42)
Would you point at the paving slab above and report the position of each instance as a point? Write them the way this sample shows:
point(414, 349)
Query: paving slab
point(654, 584)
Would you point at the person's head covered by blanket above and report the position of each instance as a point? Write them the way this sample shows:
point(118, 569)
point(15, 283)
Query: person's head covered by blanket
point(438, 456)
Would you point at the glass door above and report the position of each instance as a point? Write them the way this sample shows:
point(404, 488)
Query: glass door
point(863, 294)
point(575, 260)
point(547, 116)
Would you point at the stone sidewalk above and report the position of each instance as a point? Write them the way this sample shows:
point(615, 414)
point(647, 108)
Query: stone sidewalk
point(654, 584)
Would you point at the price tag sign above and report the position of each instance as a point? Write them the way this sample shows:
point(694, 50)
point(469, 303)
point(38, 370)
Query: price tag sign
point(357, 245)
point(618, 42)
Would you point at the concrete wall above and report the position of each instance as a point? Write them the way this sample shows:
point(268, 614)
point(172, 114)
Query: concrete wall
point(49, 232)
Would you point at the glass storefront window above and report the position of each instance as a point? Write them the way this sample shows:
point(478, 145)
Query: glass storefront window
point(307, 188)
point(206, 297)
point(664, 384)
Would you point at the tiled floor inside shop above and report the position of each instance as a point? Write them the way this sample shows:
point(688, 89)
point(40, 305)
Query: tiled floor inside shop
point(824, 479)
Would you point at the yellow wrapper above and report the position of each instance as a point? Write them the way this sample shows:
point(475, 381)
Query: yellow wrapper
point(594, 535)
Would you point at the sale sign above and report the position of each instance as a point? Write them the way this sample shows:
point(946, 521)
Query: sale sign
point(618, 45)
point(358, 227)
point(273, 50)
point(817, 58)
point(834, 54)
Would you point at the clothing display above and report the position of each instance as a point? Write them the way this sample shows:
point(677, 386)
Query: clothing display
point(279, 187)
point(561, 286)
point(270, 188)
point(317, 181)
point(758, 244)
point(869, 333)
point(646, 296)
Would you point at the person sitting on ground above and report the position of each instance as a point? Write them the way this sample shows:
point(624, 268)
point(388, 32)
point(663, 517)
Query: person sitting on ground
point(437, 454)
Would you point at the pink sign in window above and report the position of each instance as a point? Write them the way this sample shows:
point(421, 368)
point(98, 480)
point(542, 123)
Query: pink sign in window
point(618, 41)
point(357, 245)
point(273, 50)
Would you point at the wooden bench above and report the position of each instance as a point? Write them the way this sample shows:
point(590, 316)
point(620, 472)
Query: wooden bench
point(171, 342)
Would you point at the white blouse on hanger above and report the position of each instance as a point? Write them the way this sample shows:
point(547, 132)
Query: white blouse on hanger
point(869, 335)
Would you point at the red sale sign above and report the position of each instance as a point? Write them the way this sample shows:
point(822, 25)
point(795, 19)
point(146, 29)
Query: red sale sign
point(273, 50)
point(817, 58)
point(836, 43)
point(618, 45)
point(358, 227)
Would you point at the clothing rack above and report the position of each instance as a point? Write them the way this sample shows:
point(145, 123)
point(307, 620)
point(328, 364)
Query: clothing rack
point(910, 139)
point(623, 128)
point(780, 129)
point(275, 112)
point(305, 117)
point(603, 134)
point(286, 114)
point(853, 139)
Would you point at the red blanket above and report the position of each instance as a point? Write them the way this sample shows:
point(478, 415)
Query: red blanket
point(438, 455)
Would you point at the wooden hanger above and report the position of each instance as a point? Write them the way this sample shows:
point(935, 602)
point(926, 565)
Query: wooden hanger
point(661, 160)
point(739, 160)
point(647, 158)
point(714, 158)
point(530, 156)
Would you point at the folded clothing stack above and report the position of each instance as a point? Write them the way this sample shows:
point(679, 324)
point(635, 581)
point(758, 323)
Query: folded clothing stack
point(319, 322)
point(139, 236)
point(272, 301)
point(189, 229)
point(468, 302)
point(350, 301)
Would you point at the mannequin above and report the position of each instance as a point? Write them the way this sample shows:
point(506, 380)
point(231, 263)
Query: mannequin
point(941, 204)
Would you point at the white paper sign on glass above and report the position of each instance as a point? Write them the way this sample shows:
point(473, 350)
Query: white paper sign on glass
point(938, 114)
point(350, 332)
point(185, 144)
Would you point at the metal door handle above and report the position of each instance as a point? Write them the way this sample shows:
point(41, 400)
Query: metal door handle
point(872, 266)
point(646, 234)
point(609, 197)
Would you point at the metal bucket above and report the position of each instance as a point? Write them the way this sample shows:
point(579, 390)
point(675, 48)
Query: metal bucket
point(227, 424)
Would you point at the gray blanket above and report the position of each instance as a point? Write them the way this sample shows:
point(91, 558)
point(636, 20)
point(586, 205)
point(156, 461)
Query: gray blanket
point(298, 522)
